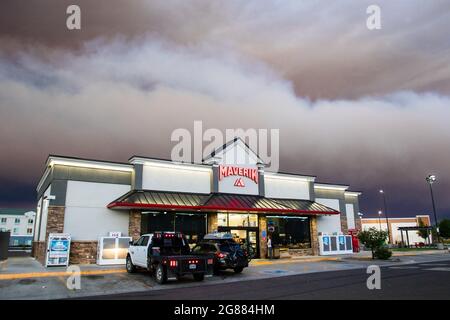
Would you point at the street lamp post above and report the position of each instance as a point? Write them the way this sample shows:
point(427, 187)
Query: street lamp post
point(379, 218)
point(386, 214)
point(431, 179)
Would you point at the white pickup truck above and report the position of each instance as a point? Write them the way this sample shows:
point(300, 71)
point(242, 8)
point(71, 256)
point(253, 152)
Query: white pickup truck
point(168, 256)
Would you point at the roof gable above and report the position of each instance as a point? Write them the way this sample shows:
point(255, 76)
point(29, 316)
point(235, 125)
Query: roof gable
point(234, 152)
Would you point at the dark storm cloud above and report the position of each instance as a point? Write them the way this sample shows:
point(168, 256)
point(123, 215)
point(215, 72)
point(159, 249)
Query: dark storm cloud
point(378, 115)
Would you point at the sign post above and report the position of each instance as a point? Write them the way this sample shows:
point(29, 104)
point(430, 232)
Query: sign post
point(58, 249)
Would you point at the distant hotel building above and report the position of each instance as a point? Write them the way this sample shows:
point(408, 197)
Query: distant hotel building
point(20, 222)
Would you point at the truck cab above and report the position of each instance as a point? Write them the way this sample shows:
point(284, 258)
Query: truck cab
point(168, 256)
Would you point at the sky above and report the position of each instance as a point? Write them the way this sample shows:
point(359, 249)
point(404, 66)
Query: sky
point(367, 108)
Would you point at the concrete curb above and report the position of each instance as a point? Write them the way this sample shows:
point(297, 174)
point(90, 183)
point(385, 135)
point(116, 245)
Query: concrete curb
point(14, 276)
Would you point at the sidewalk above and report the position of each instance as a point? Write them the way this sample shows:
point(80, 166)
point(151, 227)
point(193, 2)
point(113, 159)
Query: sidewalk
point(27, 267)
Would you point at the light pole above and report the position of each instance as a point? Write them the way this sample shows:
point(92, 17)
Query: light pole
point(431, 179)
point(386, 214)
point(379, 218)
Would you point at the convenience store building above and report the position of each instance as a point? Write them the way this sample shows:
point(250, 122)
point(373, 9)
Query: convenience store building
point(88, 199)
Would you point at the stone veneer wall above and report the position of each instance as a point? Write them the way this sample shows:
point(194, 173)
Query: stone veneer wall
point(38, 251)
point(134, 224)
point(262, 241)
point(55, 220)
point(314, 236)
point(55, 224)
point(83, 252)
point(301, 252)
point(212, 222)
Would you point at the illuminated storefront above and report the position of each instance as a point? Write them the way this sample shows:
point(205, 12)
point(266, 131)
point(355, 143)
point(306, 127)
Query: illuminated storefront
point(88, 199)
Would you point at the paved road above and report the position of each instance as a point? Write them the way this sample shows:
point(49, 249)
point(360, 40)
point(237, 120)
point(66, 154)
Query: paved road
point(427, 280)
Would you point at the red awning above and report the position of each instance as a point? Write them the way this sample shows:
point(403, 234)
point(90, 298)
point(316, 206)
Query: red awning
point(184, 201)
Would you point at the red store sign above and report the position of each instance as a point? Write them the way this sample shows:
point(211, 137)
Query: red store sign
point(227, 171)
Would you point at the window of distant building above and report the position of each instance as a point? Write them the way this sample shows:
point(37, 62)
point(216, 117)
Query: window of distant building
point(3, 221)
point(29, 231)
point(16, 231)
point(17, 221)
point(30, 221)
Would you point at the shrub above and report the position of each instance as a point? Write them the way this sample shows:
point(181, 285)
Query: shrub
point(383, 253)
point(372, 239)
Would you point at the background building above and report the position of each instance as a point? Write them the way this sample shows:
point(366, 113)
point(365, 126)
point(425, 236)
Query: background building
point(395, 223)
point(20, 222)
point(229, 191)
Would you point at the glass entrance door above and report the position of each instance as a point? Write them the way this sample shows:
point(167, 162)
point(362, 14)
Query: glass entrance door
point(247, 237)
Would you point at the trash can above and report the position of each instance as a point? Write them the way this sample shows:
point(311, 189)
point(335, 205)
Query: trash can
point(4, 244)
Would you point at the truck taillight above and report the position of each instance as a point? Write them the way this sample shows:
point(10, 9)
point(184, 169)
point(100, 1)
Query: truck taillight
point(173, 263)
point(221, 255)
point(210, 261)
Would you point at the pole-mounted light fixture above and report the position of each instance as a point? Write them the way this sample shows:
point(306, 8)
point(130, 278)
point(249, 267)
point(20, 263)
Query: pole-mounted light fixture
point(431, 178)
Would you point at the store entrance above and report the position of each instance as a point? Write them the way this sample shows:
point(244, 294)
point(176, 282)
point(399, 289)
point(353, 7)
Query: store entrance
point(248, 236)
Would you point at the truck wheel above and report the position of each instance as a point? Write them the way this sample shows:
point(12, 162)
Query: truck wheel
point(199, 276)
point(238, 269)
point(131, 268)
point(160, 275)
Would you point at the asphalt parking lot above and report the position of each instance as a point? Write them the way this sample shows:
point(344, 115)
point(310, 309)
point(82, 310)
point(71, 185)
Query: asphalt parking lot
point(412, 281)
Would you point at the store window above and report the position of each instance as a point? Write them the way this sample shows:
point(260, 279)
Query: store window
point(192, 225)
point(222, 219)
point(289, 232)
point(237, 220)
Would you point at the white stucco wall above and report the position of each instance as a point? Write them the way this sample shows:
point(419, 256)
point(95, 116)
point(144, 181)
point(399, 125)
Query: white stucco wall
point(86, 215)
point(44, 214)
point(329, 224)
point(176, 178)
point(287, 188)
point(350, 213)
point(395, 233)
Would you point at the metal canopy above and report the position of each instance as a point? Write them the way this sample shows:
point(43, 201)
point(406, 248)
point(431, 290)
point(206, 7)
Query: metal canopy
point(413, 228)
point(185, 201)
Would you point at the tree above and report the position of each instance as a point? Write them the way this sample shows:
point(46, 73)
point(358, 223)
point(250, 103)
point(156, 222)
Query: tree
point(444, 228)
point(373, 239)
point(423, 233)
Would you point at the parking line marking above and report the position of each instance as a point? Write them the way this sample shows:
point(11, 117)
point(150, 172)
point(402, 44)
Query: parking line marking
point(288, 261)
point(439, 269)
point(404, 267)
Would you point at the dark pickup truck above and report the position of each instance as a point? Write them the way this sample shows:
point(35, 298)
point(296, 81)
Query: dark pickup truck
point(168, 256)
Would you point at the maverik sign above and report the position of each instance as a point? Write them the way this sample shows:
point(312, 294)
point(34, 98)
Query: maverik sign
point(226, 171)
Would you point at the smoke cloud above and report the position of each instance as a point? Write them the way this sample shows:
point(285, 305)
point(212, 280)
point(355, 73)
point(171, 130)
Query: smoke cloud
point(353, 106)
